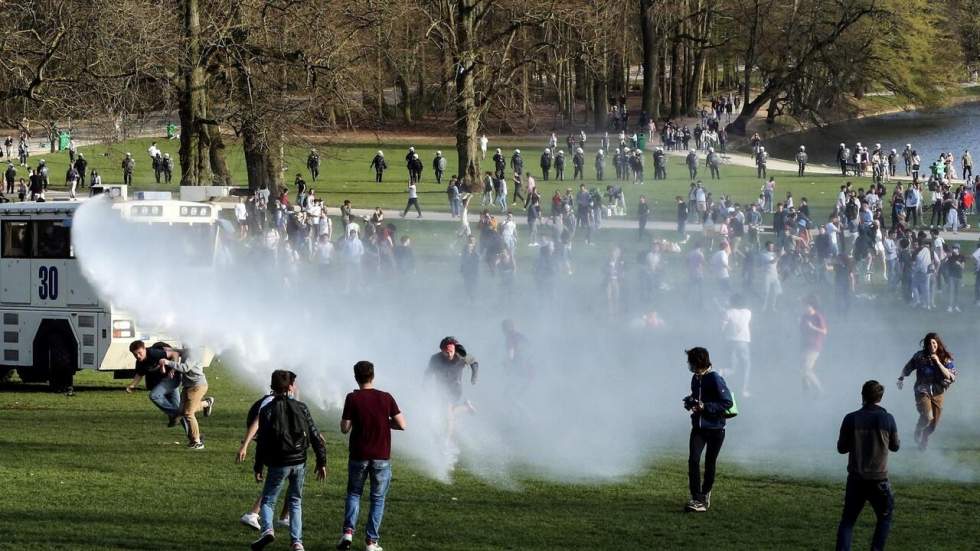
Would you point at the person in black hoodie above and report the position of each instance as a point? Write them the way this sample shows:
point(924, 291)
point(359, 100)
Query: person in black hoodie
point(709, 403)
point(286, 431)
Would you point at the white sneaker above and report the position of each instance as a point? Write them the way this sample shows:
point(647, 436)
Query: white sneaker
point(282, 522)
point(251, 520)
point(373, 547)
point(345, 541)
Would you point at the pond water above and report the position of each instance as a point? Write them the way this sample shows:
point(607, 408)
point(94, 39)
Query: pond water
point(930, 133)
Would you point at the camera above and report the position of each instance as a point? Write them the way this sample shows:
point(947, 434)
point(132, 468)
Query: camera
point(690, 402)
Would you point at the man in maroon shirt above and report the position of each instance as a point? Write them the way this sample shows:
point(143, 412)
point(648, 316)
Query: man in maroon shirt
point(369, 415)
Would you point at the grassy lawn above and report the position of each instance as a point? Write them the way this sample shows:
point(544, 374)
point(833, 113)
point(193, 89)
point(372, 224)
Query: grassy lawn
point(345, 174)
point(100, 471)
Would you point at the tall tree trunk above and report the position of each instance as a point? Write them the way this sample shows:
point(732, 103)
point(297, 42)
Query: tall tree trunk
point(467, 110)
point(195, 142)
point(676, 74)
point(651, 65)
point(600, 91)
point(405, 98)
point(263, 156)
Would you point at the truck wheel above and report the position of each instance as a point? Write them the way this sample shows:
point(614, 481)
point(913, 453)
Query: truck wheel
point(61, 361)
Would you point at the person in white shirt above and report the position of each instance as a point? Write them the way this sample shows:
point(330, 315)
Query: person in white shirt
point(484, 142)
point(353, 252)
point(891, 259)
point(241, 215)
point(770, 279)
point(153, 151)
point(508, 233)
point(921, 271)
point(735, 327)
point(325, 227)
point(719, 265)
point(413, 200)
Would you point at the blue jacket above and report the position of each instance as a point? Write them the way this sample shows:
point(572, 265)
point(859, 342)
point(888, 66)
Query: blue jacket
point(712, 391)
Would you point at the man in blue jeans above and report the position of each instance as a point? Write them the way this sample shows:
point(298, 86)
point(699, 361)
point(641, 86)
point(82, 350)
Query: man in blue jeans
point(164, 387)
point(369, 415)
point(285, 433)
point(867, 435)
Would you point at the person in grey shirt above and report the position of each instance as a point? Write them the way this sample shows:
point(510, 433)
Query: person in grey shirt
point(195, 386)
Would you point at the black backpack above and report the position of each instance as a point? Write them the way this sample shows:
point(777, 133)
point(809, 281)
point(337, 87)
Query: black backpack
point(284, 432)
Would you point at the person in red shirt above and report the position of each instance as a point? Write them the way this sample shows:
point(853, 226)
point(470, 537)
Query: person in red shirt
point(369, 416)
point(813, 330)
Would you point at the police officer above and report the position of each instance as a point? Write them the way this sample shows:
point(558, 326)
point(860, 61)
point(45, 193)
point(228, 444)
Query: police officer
point(692, 164)
point(560, 166)
point(546, 163)
point(713, 161)
point(128, 164)
point(379, 165)
point(415, 169)
point(801, 159)
point(578, 162)
point(499, 164)
point(517, 162)
point(313, 163)
point(439, 166)
point(168, 168)
point(80, 166)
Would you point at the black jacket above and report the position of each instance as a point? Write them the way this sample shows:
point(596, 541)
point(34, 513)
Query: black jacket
point(269, 452)
point(867, 435)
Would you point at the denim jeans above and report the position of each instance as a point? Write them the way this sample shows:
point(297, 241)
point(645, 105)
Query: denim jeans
point(357, 473)
point(166, 396)
point(274, 479)
point(879, 494)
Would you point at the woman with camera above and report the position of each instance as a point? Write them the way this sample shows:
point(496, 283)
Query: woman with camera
point(710, 403)
point(934, 373)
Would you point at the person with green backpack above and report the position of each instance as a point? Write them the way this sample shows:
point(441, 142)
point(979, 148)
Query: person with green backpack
point(286, 431)
point(711, 403)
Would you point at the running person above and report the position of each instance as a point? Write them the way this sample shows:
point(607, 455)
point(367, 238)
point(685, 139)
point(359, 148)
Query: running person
point(447, 366)
point(934, 372)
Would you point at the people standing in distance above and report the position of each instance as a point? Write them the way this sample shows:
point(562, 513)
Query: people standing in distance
point(866, 436)
point(709, 402)
point(369, 416)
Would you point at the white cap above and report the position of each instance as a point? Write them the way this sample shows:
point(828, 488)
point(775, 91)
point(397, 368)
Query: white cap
point(761, 148)
point(411, 149)
point(128, 154)
point(438, 152)
point(893, 151)
point(908, 145)
point(802, 148)
point(842, 145)
point(381, 153)
point(579, 150)
point(416, 156)
point(711, 150)
point(517, 152)
point(498, 150)
point(691, 150)
point(547, 150)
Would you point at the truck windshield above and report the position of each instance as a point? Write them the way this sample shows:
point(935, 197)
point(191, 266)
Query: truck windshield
point(193, 244)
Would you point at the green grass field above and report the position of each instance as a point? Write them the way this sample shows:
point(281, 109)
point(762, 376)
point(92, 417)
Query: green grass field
point(345, 174)
point(100, 471)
